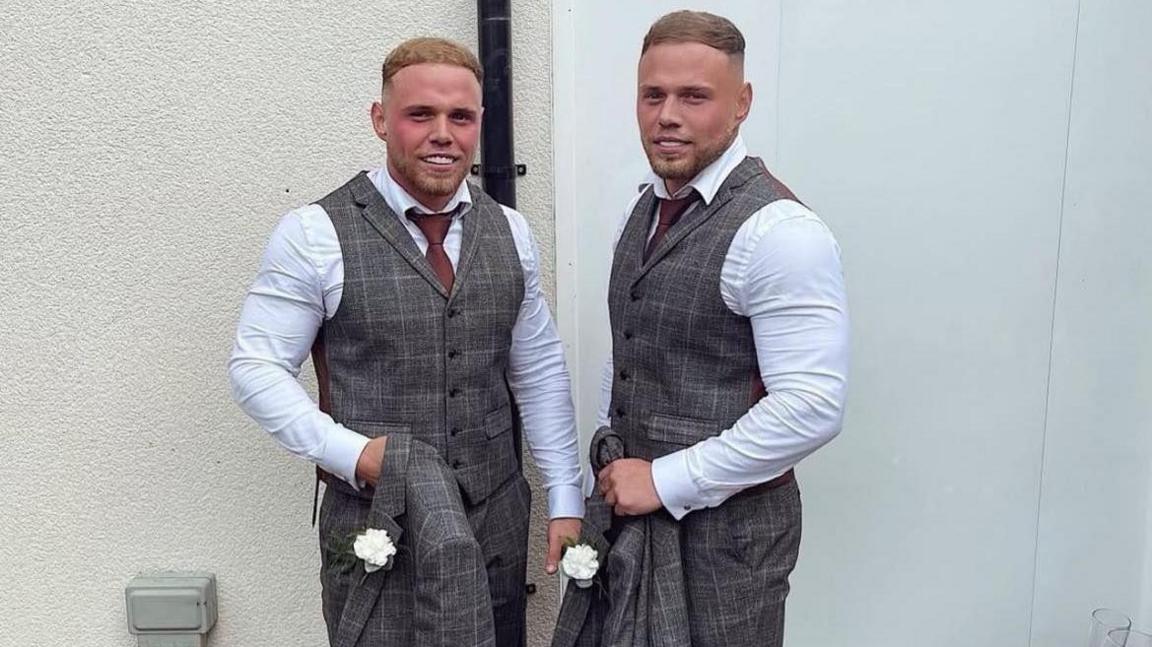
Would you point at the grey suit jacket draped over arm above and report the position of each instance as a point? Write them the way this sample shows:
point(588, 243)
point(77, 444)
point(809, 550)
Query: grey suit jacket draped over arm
point(437, 591)
point(639, 599)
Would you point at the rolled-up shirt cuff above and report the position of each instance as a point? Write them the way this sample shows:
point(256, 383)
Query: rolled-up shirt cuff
point(565, 501)
point(342, 449)
point(674, 485)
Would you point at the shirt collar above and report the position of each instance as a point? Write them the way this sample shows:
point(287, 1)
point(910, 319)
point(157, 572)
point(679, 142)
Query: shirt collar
point(707, 182)
point(400, 201)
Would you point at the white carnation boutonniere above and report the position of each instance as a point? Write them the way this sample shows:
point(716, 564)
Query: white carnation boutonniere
point(372, 547)
point(580, 562)
point(375, 548)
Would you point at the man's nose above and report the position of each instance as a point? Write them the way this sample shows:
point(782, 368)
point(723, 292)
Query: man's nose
point(669, 115)
point(440, 133)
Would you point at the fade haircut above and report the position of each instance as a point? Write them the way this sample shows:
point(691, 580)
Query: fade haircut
point(429, 50)
point(702, 27)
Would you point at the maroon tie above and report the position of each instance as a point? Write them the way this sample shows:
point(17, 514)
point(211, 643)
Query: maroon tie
point(670, 212)
point(435, 227)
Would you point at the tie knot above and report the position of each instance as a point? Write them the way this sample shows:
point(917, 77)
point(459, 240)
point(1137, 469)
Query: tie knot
point(434, 226)
point(672, 209)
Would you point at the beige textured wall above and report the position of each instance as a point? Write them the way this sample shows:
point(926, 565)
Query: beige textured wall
point(146, 151)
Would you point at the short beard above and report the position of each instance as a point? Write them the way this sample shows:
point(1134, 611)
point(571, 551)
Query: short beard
point(687, 167)
point(429, 185)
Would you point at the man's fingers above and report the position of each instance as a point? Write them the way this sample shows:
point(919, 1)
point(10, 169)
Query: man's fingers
point(608, 480)
point(371, 457)
point(553, 560)
point(560, 531)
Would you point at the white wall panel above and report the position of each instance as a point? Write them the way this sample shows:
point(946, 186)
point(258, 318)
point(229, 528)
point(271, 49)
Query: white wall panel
point(931, 137)
point(1093, 539)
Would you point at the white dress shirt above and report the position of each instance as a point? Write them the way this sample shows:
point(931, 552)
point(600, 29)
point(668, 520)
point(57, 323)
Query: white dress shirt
point(782, 271)
point(299, 286)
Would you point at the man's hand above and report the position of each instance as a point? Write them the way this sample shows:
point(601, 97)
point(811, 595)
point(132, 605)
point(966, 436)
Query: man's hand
point(368, 465)
point(627, 486)
point(558, 530)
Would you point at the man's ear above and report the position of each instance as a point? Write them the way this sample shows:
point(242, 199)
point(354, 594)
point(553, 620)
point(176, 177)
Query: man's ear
point(744, 102)
point(379, 123)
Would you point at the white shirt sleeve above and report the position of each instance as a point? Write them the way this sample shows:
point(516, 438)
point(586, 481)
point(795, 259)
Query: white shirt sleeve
point(783, 272)
point(539, 379)
point(301, 272)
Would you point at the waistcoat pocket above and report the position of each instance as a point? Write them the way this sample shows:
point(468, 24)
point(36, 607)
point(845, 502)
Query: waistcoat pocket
point(376, 428)
point(498, 422)
point(679, 431)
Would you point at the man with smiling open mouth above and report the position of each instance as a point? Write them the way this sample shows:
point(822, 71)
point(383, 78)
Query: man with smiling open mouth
point(419, 298)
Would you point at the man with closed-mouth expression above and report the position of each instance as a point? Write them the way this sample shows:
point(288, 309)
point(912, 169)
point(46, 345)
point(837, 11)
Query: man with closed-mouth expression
point(729, 339)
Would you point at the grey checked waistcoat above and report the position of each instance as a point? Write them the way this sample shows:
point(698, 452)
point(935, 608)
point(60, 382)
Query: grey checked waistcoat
point(404, 356)
point(685, 364)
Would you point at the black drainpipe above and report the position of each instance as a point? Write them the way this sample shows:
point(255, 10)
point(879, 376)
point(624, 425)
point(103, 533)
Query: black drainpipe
point(499, 168)
point(494, 24)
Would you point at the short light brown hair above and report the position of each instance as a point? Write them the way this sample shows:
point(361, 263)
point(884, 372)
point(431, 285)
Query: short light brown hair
point(686, 26)
point(429, 50)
